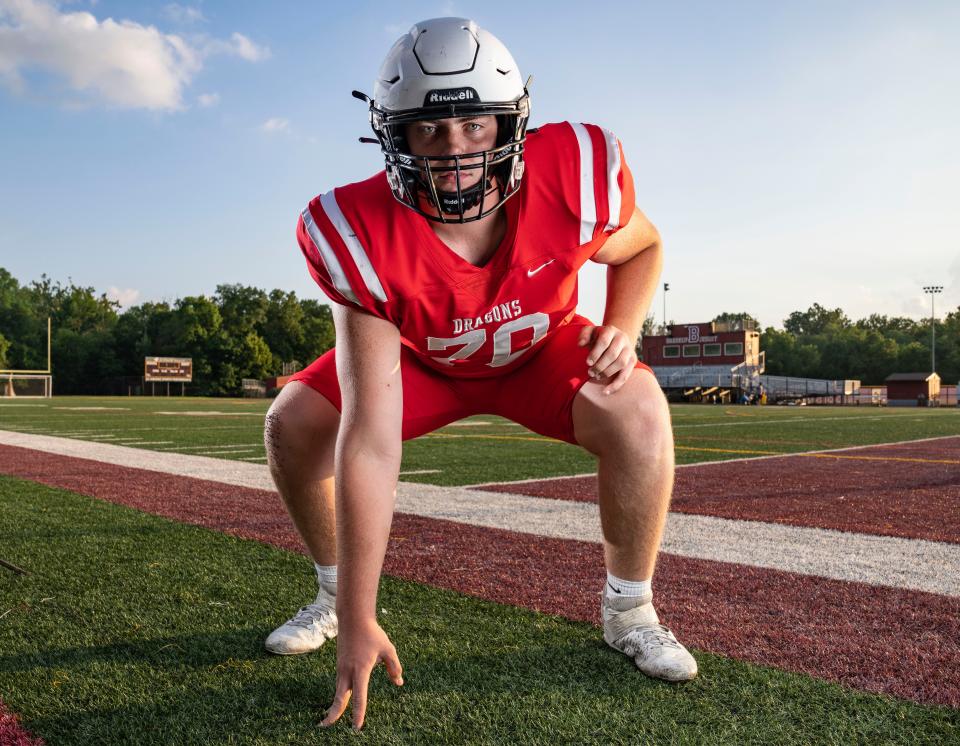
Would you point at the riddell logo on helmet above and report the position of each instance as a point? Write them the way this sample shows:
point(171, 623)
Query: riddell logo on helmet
point(450, 96)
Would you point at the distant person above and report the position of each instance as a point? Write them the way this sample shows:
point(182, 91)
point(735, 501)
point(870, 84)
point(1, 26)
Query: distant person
point(454, 281)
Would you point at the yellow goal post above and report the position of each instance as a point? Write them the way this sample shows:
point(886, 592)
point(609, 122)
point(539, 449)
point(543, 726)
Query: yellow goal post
point(28, 383)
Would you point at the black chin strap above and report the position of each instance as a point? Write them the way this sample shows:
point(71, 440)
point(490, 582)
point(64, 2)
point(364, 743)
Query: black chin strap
point(451, 204)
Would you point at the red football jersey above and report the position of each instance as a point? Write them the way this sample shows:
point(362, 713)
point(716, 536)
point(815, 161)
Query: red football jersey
point(369, 252)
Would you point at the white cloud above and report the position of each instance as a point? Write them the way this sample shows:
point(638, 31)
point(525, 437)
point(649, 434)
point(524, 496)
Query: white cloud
point(206, 100)
point(276, 124)
point(183, 14)
point(126, 64)
point(121, 62)
point(126, 297)
point(239, 46)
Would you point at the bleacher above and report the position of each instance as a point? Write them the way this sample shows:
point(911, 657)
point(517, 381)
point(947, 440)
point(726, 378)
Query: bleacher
point(788, 387)
point(721, 383)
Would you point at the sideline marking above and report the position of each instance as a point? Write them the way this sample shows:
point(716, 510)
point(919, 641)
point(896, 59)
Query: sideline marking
point(206, 413)
point(478, 485)
point(237, 447)
point(92, 409)
point(755, 422)
point(230, 451)
point(729, 450)
point(918, 564)
point(886, 458)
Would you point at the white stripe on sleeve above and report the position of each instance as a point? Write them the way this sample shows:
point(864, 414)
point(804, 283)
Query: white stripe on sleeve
point(614, 196)
point(329, 257)
point(588, 204)
point(360, 258)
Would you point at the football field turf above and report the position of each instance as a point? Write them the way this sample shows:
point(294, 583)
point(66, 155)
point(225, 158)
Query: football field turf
point(819, 593)
point(479, 449)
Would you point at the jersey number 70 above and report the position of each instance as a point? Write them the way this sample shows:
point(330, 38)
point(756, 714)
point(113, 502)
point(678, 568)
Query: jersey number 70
point(503, 354)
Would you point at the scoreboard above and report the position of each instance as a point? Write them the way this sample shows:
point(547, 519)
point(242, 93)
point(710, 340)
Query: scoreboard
point(168, 369)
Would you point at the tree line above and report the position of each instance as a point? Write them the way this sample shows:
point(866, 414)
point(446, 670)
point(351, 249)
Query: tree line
point(825, 343)
point(240, 332)
point(244, 332)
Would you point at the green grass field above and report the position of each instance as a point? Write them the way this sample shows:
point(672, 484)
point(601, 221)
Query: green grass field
point(481, 449)
point(120, 635)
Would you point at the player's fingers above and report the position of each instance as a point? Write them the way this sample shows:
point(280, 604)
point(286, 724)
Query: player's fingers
point(611, 360)
point(626, 359)
point(618, 380)
point(586, 334)
point(394, 669)
point(600, 343)
point(340, 700)
point(361, 682)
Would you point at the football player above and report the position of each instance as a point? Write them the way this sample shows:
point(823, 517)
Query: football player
point(453, 276)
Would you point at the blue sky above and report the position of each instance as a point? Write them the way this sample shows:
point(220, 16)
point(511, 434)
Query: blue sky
point(789, 152)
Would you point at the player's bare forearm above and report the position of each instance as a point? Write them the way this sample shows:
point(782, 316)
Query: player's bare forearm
point(368, 453)
point(630, 290)
point(366, 486)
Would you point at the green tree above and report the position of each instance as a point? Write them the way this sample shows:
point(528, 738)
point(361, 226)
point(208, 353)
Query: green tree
point(948, 347)
point(319, 334)
point(787, 356)
point(243, 309)
point(284, 329)
point(728, 316)
point(816, 320)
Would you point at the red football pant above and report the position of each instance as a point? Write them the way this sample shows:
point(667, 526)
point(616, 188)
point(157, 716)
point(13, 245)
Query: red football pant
point(538, 395)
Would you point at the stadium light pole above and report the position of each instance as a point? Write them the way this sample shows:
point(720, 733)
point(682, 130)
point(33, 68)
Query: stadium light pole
point(666, 287)
point(933, 290)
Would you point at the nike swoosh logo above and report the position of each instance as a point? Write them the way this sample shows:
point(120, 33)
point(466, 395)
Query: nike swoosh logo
point(532, 272)
point(612, 588)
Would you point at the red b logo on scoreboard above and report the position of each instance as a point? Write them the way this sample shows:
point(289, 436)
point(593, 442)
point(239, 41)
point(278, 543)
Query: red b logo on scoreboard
point(693, 333)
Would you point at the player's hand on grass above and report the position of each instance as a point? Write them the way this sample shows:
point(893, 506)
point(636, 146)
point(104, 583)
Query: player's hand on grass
point(360, 647)
point(612, 357)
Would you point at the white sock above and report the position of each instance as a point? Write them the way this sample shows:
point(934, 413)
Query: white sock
point(327, 577)
point(620, 588)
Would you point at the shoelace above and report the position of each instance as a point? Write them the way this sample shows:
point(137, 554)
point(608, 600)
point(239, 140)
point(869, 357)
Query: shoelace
point(660, 635)
point(309, 614)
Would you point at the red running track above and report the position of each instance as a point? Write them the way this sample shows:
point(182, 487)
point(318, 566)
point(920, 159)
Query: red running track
point(897, 642)
point(910, 490)
point(12, 733)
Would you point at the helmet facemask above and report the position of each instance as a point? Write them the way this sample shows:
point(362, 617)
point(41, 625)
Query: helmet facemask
point(411, 176)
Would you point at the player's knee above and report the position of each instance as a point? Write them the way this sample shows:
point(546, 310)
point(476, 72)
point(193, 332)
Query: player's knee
point(649, 413)
point(300, 419)
point(635, 417)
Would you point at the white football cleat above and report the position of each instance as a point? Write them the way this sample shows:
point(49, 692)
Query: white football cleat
point(631, 625)
point(309, 628)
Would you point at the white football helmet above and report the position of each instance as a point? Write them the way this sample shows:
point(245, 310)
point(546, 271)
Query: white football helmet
point(449, 67)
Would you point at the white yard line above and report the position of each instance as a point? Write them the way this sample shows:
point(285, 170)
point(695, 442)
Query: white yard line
point(877, 560)
point(420, 471)
point(208, 447)
point(230, 451)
